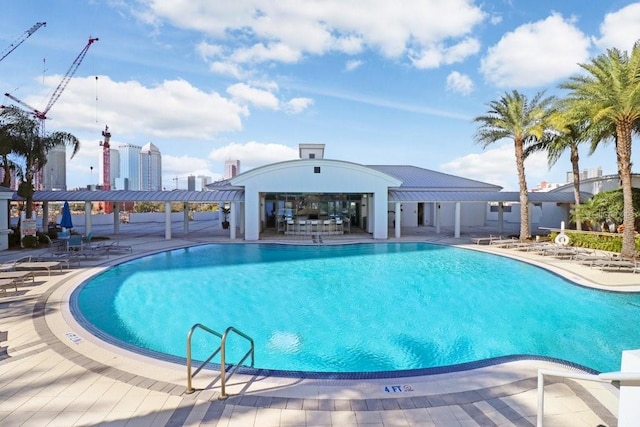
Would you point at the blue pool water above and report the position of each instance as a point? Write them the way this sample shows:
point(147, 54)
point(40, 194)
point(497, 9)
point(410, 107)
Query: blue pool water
point(358, 308)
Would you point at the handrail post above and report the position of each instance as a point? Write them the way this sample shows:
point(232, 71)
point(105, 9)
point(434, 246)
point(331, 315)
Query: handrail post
point(540, 398)
point(190, 388)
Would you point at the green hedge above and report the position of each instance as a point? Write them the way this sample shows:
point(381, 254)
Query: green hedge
point(612, 243)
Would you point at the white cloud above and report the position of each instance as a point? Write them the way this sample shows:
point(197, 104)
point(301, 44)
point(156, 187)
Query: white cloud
point(171, 109)
point(243, 94)
point(227, 69)
point(297, 105)
point(461, 83)
point(620, 29)
point(498, 166)
point(253, 154)
point(272, 30)
point(181, 167)
point(353, 64)
point(435, 55)
point(536, 54)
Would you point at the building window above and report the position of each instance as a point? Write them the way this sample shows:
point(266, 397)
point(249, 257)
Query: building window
point(316, 169)
point(312, 155)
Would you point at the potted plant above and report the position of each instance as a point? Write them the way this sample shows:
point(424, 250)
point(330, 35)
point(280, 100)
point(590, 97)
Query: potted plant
point(225, 221)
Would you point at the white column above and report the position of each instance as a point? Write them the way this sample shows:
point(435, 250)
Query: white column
point(437, 207)
point(500, 217)
point(242, 220)
point(87, 217)
point(4, 225)
point(398, 218)
point(116, 217)
point(186, 217)
point(456, 232)
point(167, 220)
point(232, 220)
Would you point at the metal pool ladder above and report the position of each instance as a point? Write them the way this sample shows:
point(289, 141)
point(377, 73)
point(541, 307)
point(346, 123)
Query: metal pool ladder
point(222, 351)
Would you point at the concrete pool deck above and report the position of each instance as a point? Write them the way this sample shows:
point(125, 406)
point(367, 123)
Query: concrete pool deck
point(52, 372)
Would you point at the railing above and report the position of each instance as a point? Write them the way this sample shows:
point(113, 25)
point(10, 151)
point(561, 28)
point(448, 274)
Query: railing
point(624, 378)
point(222, 350)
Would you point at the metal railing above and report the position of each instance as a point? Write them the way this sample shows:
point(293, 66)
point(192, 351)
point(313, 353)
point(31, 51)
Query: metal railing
point(222, 350)
point(624, 378)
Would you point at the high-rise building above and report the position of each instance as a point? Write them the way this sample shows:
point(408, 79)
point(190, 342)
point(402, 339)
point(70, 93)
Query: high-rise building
point(54, 173)
point(202, 182)
point(130, 166)
point(191, 183)
point(150, 168)
point(231, 168)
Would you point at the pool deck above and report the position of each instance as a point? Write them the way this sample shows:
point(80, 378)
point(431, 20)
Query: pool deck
point(52, 372)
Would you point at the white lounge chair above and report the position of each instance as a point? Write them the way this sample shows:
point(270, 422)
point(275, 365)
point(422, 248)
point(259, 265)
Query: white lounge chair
point(18, 276)
point(27, 263)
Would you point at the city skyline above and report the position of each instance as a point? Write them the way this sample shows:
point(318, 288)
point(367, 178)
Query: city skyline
point(209, 82)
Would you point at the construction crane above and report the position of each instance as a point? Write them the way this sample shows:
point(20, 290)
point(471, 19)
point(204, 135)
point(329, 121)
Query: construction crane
point(21, 39)
point(106, 159)
point(42, 115)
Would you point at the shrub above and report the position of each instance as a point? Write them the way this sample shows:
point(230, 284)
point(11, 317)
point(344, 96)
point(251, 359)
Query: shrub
point(30, 241)
point(611, 243)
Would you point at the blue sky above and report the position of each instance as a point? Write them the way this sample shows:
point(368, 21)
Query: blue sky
point(377, 81)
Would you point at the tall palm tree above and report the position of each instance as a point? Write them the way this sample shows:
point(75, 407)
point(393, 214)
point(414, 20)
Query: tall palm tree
point(569, 131)
point(28, 143)
point(524, 121)
point(609, 95)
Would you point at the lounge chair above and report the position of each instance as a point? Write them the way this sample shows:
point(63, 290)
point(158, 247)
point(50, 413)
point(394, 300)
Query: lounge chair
point(619, 264)
point(116, 248)
point(7, 283)
point(503, 242)
point(18, 276)
point(28, 263)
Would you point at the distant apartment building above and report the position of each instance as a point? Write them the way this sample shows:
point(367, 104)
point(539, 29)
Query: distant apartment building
point(202, 182)
point(586, 174)
point(54, 174)
point(150, 168)
point(546, 186)
point(191, 183)
point(231, 168)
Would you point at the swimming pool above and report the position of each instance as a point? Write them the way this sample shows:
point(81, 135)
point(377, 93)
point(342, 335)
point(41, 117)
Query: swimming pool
point(357, 308)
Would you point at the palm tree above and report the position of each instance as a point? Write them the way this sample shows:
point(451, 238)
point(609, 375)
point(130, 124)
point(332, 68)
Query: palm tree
point(568, 132)
point(29, 143)
point(525, 122)
point(609, 96)
point(6, 149)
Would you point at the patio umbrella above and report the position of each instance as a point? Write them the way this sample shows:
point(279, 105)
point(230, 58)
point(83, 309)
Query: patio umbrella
point(65, 221)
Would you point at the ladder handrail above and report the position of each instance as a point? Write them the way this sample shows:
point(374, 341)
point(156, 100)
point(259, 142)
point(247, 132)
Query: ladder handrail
point(222, 350)
point(223, 367)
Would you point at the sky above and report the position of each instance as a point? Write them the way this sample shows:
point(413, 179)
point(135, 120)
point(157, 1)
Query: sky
point(378, 82)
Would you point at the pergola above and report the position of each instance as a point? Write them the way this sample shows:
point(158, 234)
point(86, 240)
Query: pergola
point(231, 196)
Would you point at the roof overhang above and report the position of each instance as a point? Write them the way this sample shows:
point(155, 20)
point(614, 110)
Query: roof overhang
point(480, 196)
point(227, 195)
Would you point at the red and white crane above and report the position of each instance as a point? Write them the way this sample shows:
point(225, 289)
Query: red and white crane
point(21, 39)
point(42, 115)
